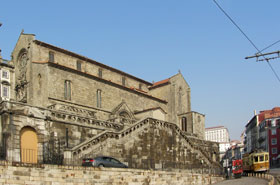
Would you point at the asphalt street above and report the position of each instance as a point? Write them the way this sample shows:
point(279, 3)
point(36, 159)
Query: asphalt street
point(243, 181)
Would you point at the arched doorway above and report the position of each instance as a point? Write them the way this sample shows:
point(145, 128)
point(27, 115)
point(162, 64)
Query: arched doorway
point(28, 145)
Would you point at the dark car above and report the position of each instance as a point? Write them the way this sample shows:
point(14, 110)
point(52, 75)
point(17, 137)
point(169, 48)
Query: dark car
point(103, 161)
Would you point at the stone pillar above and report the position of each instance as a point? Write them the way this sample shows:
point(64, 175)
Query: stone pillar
point(67, 157)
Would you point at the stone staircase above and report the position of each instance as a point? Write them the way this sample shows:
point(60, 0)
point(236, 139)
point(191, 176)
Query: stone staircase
point(95, 144)
point(203, 147)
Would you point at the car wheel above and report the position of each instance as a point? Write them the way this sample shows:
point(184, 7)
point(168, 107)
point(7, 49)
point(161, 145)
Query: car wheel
point(101, 165)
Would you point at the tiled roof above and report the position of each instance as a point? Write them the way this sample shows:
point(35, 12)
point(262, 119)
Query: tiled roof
point(140, 90)
point(160, 83)
point(267, 114)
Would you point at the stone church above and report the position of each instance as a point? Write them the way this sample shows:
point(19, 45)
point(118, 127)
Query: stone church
point(59, 107)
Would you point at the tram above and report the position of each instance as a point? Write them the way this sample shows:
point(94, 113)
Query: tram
point(237, 168)
point(257, 161)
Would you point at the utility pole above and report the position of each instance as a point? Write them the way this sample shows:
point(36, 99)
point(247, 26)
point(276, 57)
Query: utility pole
point(271, 56)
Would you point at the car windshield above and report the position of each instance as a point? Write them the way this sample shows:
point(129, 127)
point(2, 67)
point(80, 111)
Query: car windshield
point(115, 161)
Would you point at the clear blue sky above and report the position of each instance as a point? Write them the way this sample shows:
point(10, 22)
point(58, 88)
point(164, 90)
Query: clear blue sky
point(153, 39)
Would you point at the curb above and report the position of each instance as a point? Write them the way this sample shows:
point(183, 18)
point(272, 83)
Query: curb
point(268, 177)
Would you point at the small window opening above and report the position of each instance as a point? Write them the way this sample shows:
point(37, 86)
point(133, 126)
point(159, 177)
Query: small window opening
point(79, 65)
point(51, 56)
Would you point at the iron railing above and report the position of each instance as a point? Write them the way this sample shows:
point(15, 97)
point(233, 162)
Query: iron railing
point(3, 152)
point(53, 152)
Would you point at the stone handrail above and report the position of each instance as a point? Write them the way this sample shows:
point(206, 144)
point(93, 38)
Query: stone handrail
point(76, 148)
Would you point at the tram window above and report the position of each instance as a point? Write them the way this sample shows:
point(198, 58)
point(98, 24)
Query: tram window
point(266, 157)
point(261, 158)
point(256, 159)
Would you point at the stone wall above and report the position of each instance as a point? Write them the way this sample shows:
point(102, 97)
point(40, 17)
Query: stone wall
point(51, 175)
point(199, 127)
point(69, 59)
point(84, 92)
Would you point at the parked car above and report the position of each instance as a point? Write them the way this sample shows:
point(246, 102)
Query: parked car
point(103, 161)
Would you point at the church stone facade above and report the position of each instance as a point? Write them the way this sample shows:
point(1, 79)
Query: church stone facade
point(80, 108)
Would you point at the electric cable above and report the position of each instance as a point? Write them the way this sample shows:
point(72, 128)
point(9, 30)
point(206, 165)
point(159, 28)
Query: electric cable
point(252, 43)
point(269, 46)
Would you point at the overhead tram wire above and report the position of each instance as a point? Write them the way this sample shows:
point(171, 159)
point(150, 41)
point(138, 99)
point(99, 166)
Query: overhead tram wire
point(269, 46)
point(252, 43)
point(236, 25)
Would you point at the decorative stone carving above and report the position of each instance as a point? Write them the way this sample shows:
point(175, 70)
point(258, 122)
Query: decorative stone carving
point(30, 111)
point(81, 120)
point(123, 114)
point(72, 109)
point(124, 117)
point(21, 81)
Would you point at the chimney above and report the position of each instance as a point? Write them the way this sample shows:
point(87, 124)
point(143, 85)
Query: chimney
point(255, 112)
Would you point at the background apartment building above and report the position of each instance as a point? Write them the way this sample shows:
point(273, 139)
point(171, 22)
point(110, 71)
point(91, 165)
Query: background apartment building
point(269, 133)
point(263, 132)
point(5, 79)
point(219, 134)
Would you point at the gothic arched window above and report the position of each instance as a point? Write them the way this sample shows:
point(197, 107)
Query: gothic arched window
point(67, 90)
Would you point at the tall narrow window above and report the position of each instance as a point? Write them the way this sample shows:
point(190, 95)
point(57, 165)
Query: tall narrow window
point(274, 141)
point(79, 65)
point(5, 91)
point(98, 95)
point(268, 122)
point(140, 86)
point(51, 56)
point(5, 75)
point(273, 131)
point(67, 90)
point(278, 122)
point(274, 151)
point(123, 81)
point(100, 73)
point(184, 124)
